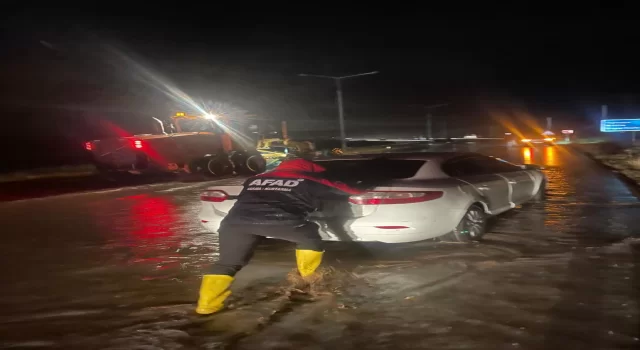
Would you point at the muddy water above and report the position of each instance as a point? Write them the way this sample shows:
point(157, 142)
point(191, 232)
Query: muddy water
point(119, 270)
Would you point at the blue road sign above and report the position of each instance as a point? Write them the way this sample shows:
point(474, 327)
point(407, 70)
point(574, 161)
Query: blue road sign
point(619, 125)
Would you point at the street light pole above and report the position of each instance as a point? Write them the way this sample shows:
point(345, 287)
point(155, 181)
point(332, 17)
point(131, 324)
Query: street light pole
point(429, 118)
point(343, 134)
point(444, 128)
point(338, 80)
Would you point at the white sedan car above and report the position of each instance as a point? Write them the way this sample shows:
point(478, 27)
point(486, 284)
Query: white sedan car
point(413, 197)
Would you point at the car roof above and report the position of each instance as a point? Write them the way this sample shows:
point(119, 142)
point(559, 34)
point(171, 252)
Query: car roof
point(439, 156)
point(426, 156)
point(431, 169)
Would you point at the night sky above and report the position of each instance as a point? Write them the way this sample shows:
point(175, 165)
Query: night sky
point(64, 76)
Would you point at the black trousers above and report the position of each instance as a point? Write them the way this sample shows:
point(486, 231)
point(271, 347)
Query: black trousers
point(237, 243)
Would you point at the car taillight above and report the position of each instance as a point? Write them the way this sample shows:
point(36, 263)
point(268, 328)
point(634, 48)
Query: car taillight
point(399, 197)
point(213, 196)
point(137, 144)
point(88, 146)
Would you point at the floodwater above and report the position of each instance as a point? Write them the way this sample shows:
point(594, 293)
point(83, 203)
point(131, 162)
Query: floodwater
point(119, 269)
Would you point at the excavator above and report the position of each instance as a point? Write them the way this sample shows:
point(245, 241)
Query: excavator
point(181, 143)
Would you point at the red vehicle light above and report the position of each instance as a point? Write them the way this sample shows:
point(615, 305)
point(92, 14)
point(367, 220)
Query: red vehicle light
point(137, 144)
point(395, 197)
point(88, 146)
point(216, 196)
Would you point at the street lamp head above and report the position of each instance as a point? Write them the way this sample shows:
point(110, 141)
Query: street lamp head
point(339, 98)
point(358, 75)
point(337, 78)
point(315, 76)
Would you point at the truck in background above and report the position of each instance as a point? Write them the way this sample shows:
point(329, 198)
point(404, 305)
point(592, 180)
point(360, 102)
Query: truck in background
point(181, 143)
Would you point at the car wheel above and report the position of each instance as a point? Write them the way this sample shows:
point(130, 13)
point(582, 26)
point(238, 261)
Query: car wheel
point(255, 164)
point(218, 166)
point(471, 228)
point(248, 163)
point(541, 194)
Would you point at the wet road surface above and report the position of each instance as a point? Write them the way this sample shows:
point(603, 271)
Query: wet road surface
point(119, 269)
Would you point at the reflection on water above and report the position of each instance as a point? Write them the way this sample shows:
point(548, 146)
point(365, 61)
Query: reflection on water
point(152, 217)
point(526, 155)
point(550, 156)
point(581, 198)
point(560, 194)
point(547, 156)
point(151, 230)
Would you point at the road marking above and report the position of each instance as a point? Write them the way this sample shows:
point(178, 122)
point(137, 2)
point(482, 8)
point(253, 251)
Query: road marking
point(64, 195)
point(148, 187)
point(200, 184)
point(86, 193)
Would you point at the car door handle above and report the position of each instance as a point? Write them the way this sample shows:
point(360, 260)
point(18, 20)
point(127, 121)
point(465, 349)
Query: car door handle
point(483, 188)
point(513, 182)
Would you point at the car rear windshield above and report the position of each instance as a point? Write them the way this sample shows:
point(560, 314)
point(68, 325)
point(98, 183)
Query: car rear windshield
point(371, 169)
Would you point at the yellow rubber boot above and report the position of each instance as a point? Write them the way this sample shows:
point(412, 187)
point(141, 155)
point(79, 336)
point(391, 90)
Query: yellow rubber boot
point(308, 261)
point(213, 292)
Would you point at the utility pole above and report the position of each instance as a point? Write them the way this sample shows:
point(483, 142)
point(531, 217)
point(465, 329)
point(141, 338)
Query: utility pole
point(284, 129)
point(343, 133)
point(444, 129)
point(338, 80)
point(429, 117)
point(604, 111)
